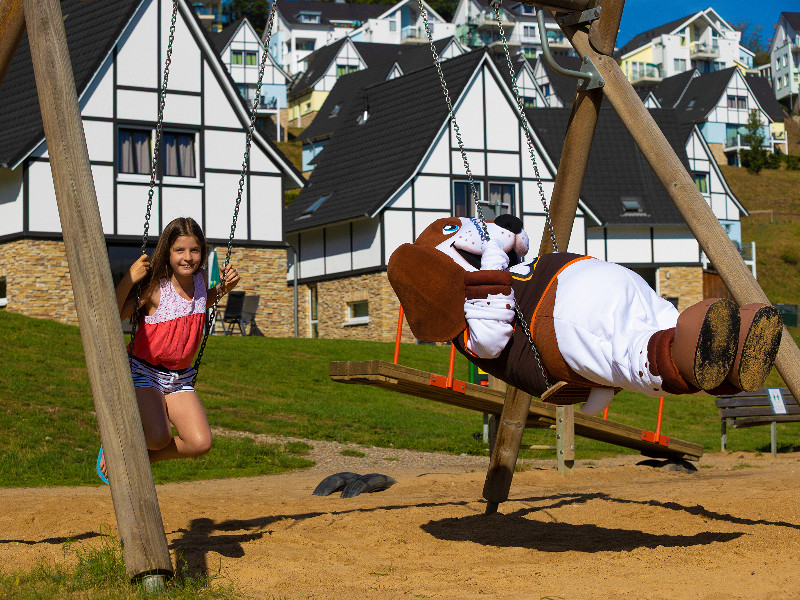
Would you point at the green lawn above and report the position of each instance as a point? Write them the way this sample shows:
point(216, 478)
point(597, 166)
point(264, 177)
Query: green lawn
point(277, 386)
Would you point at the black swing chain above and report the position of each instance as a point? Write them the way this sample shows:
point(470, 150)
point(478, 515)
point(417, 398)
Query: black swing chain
point(212, 312)
point(437, 62)
point(154, 167)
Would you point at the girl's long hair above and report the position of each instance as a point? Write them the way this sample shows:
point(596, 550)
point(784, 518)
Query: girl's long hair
point(159, 261)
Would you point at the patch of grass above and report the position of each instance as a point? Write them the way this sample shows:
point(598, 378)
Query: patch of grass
point(251, 384)
point(743, 466)
point(351, 452)
point(100, 573)
point(299, 448)
point(390, 458)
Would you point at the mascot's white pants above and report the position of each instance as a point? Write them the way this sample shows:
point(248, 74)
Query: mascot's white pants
point(604, 317)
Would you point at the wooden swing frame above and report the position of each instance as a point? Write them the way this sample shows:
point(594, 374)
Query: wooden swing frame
point(595, 42)
point(145, 551)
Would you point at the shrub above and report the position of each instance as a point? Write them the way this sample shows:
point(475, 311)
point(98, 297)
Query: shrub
point(792, 162)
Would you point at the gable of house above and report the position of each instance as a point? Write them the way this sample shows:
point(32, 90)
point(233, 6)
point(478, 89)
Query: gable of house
point(392, 173)
point(118, 74)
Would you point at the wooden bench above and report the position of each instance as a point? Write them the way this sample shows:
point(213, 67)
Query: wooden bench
point(748, 409)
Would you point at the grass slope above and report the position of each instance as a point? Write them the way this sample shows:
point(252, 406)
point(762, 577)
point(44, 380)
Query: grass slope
point(277, 386)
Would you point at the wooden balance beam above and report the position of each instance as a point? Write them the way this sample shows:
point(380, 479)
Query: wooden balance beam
point(399, 378)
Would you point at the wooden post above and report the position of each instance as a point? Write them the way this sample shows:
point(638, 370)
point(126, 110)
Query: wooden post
point(516, 406)
point(565, 439)
point(579, 136)
point(705, 227)
point(138, 516)
point(12, 26)
point(572, 168)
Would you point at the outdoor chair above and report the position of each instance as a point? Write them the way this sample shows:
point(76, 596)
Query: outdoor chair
point(249, 310)
point(232, 315)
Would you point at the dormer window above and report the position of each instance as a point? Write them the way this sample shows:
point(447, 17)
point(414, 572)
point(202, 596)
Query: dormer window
point(314, 206)
point(632, 206)
point(309, 17)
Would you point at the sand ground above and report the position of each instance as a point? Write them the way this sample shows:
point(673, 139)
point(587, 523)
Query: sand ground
point(612, 530)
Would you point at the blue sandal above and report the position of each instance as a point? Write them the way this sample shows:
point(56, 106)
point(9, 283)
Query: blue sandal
point(100, 473)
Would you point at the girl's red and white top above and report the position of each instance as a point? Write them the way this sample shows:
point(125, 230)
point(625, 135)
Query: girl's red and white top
point(171, 336)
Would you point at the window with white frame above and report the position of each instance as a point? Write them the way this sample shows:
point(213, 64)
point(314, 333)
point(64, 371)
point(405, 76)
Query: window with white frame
point(357, 312)
point(178, 154)
point(463, 206)
point(701, 181)
point(680, 64)
point(134, 151)
point(501, 200)
point(737, 102)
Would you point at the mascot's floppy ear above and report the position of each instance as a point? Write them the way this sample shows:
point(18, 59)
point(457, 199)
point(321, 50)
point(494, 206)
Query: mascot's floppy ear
point(431, 290)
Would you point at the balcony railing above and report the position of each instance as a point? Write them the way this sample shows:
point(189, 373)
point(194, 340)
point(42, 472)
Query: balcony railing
point(703, 50)
point(644, 71)
point(410, 33)
point(488, 19)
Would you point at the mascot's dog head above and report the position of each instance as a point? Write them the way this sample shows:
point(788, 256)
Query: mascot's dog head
point(428, 275)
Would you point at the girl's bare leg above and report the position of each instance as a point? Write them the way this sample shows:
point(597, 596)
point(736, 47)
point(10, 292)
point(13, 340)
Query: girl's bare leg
point(189, 418)
point(156, 426)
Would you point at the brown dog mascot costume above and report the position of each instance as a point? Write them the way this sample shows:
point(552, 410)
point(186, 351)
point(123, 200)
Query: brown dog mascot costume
point(594, 323)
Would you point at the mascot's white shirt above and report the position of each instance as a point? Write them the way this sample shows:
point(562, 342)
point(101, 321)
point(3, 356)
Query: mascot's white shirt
point(604, 316)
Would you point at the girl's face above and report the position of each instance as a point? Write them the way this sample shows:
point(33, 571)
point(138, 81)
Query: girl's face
point(184, 255)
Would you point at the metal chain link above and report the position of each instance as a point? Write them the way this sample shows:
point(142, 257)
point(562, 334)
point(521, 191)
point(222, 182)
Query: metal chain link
point(245, 163)
point(525, 124)
point(456, 129)
point(437, 62)
point(162, 95)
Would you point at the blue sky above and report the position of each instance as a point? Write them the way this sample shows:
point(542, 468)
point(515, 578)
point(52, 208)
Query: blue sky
point(641, 15)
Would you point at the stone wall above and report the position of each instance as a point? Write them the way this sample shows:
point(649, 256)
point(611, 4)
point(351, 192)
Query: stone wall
point(37, 279)
point(334, 296)
point(684, 283)
point(263, 272)
point(718, 152)
point(38, 284)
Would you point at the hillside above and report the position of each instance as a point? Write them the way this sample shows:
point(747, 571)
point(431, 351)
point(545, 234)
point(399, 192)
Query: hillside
point(773, 200)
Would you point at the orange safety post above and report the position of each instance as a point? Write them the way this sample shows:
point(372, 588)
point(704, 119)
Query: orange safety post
point(397, 339)
point(655, 436)
point(450, 368)
point(605, 413)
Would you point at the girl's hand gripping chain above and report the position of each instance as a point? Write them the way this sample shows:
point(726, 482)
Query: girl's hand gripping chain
point(489, 304)
point(230, 279)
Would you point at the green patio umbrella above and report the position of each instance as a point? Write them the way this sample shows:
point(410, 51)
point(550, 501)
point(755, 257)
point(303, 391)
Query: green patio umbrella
point(213, 268)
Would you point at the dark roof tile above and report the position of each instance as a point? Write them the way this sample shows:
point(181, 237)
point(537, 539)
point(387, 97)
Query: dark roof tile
point(616, 167)
point(365, 163)
point(91, 28)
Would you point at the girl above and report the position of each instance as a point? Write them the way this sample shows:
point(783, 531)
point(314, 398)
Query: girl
point(172, 314)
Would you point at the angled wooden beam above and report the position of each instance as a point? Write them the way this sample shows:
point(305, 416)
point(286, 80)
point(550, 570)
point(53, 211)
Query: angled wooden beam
point(702, 222)
point(12, 26)
point(579, 136)
point(138, 515)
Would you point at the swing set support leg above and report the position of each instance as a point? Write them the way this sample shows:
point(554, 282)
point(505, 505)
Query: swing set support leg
point(516, 406)
point(145, 550)
point(579, 136)
point(702, 222)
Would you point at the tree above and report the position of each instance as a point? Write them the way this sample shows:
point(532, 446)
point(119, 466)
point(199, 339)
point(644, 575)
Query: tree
point(754, 38)
point(256, 12)
point(755, 158)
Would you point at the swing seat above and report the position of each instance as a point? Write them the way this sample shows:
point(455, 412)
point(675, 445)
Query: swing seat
point(562, 394)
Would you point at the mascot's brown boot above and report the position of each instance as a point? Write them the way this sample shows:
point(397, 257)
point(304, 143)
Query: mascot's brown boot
point(705, 343)
point(759, 339)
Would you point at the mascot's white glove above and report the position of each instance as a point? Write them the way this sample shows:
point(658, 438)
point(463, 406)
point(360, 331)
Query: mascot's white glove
point(489, 305)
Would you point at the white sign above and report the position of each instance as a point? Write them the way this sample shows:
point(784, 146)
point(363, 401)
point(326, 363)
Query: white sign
point(776, 399)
